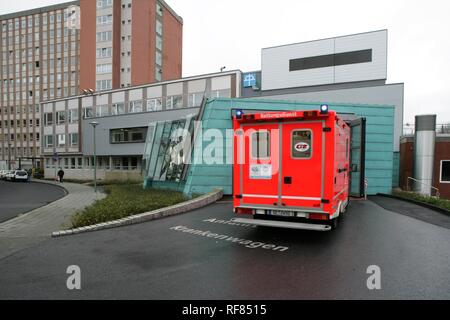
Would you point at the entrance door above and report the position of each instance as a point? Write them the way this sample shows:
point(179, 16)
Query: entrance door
point(357, 157)
point(302, 173)
point(260, 165)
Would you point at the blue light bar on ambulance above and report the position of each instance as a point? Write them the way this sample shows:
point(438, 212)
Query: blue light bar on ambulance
point(239, 114)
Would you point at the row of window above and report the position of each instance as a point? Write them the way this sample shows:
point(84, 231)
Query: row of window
point(22, 109)
point(18, 137)
point(36, 79)
point(61, 117)
point(104, 19)
point(104, 53)
point(28, 38)
point(17, 69)
point(301, 144)
point(118, 163)
point(30, 20)
point(104, 68)
point(61, 140)
point(138, 106)
point(102, 85)
point(101, 4)
point(159, 44)
point(104, 36)
point(21, 152)
point(128, 135)
point(20, 123)
point(46, 93)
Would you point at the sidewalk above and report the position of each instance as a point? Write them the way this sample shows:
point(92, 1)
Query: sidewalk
point(412, 210)
point(37, 225)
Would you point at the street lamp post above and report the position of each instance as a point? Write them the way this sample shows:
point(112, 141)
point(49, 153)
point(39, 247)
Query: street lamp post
point(94, 124)
point(9, 155)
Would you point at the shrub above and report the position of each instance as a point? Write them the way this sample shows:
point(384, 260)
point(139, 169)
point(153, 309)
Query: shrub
point(123, 201)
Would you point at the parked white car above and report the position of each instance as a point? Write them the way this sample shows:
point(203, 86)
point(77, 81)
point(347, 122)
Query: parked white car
point(9, 175)
point(3, 174)
point(17, 175)
point(20, 175)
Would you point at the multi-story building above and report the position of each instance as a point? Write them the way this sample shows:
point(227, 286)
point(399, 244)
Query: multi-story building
point(61, 50)
point(136, 42)
point(123, 117)
point(39, 61)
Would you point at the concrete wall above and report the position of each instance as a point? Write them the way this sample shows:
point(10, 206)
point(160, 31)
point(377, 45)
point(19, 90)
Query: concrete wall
point(203, 178)
point(277, 74)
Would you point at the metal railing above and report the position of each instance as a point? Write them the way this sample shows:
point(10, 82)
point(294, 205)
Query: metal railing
point(422, 183)
point(409, 129)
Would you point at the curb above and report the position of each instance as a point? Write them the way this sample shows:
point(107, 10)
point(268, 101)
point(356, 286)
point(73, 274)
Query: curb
point(52, 184)
point(177, 209)
point(419, 203)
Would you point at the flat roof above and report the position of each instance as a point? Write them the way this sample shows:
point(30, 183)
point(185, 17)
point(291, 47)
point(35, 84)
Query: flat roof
point(337, 37)
point(64, 5)
point(99, 93)
point(180, 19)
point(38, 10)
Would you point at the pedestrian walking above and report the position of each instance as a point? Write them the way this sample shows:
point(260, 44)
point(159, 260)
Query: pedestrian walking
point(61, 175)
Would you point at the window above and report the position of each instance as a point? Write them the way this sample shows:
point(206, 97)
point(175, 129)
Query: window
point(73, 139)
point(136, 106)
point(174, 102)
point(61, 140)
point(104, 36)
point(225, 93)
point(104, 85)
point(158, 73)
point(331, 60)
point(260, 145)
point(48, 141)
point(159, 10)
point(159, 42)
point(301, 144)
point(154, 104)
point(118, 108)
point(445, 171)
point(101, 111)
point(129, 135)
point(104, 68)
point(195, 99)
point(104, 53)
point(158, 58)
point(159, 27)
point(61, 117)
point(87, 113)
point(48, 119)
point(73, 115)
point(106, 19)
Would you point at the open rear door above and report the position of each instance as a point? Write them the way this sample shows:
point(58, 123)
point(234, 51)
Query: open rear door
point(357, 157)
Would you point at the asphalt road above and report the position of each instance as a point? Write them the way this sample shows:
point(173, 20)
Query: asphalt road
point(20, 197)
point(157, 260)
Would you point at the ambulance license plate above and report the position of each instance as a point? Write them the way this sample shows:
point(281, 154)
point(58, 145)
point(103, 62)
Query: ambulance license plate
point(281, 213)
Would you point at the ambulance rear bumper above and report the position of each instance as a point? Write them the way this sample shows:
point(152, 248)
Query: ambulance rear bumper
point(283, 224)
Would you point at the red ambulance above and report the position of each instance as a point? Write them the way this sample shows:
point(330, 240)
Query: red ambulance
point(291, 169)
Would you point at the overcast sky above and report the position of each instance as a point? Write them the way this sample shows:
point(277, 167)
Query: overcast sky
point(231, 33)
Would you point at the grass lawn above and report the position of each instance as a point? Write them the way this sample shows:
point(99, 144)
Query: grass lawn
point(441, 203)
point(123, 201)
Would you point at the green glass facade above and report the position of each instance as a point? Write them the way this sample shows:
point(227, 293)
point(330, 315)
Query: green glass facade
point(203, 176)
